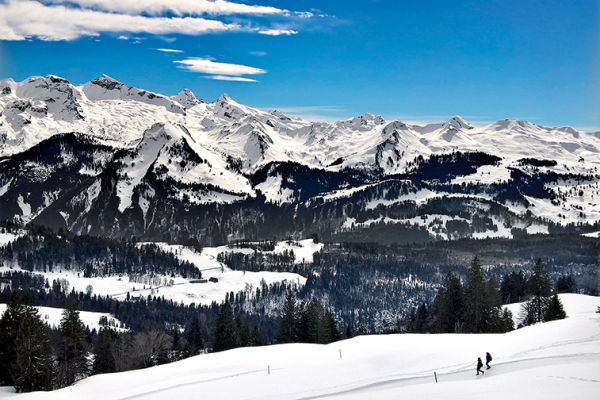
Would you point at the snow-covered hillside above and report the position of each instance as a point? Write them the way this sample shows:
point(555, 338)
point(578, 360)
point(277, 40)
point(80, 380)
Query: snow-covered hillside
point(178, 289)
point(106, 159)
point(555, 360)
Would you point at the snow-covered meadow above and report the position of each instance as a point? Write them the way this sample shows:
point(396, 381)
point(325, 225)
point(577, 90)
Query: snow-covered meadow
point(183, 290)
point(555, 360)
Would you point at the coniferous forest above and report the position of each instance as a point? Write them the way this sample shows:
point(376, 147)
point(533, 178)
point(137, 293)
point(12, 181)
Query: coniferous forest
point(351, 289)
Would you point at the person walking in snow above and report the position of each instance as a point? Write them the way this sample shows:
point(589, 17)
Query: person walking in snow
point(488, 358)
point(479, 365)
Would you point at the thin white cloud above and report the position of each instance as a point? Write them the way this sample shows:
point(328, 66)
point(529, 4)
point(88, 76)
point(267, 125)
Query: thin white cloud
point(20, 20)
point(258, 53)
point(177, 7)
point(304, 14)
point(230, 78)
point(220, 71)
point(170, 50)
point(277, 32)
point(123, 37)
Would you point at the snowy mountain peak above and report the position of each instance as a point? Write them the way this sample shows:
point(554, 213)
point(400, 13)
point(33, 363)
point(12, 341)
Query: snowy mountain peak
point(514, 125)
point(458, 123)
point(107, 82)
point(187, 98)
point(225, 97)
point(280, 115)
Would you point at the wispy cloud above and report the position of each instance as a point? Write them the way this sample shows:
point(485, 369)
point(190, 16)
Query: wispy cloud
point(258, 53)
point(20, 20)
point(277, 32)
point(170, 50)
point(220, 71)
point(71, 19)
point(230, 78)
point(176, 7)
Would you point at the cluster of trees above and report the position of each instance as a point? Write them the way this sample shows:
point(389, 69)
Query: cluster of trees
point(32, 357)
point(42, 250)
point(476, 306)
point(306, 322)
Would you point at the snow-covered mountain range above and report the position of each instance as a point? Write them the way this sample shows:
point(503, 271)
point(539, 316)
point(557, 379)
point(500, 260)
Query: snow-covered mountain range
point(105, 158)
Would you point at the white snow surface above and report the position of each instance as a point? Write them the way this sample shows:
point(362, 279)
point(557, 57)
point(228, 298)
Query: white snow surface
point(555, 360)
point(52, 316)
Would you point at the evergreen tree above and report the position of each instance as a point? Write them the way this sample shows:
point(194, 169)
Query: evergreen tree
point(513, 287)
point(176, 349)
point(499, 320)
point(287, 329)
point(243, 329)
point(9, 326)
point(419, 319)
point(565, 284)
point(226, 336)
point(193, 337)
point(73, 348)
point(555, 309)
point(476, 300)
point(33, 368)
point(539, 288)
point(104, 358)
point(448, 306)
point(314, 326)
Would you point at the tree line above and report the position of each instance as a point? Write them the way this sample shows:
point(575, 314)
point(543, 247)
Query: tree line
point(476, 305)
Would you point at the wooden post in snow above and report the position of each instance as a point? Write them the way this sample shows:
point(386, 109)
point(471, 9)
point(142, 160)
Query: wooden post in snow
point(435, 375)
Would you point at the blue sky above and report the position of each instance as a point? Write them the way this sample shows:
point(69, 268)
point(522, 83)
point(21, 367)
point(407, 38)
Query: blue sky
point(418, 61)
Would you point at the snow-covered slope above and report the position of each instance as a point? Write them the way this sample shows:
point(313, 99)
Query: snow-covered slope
point(555, 360)
point(118, 160)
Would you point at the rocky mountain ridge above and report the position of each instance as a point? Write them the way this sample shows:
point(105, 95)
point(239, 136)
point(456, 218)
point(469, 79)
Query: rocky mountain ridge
point(107, 159)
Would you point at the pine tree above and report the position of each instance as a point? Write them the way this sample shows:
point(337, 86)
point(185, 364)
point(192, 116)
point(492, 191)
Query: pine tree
point(314, 326)
point(448, 306)
point(9, 326)
point(73, 348)
point(513, 287)
point(476, 300)
point(33, 368)
point(104, 360)
point(539, 288)
point(193, 337)
point(555, 309)
point(176, 348)
point(287, 329)
point(226, 336)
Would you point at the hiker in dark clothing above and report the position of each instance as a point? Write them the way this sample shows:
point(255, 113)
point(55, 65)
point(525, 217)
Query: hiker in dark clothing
point(479, 365)
point(488, 358)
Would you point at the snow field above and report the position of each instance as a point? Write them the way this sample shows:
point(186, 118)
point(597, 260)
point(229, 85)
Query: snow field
point(560, 359)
